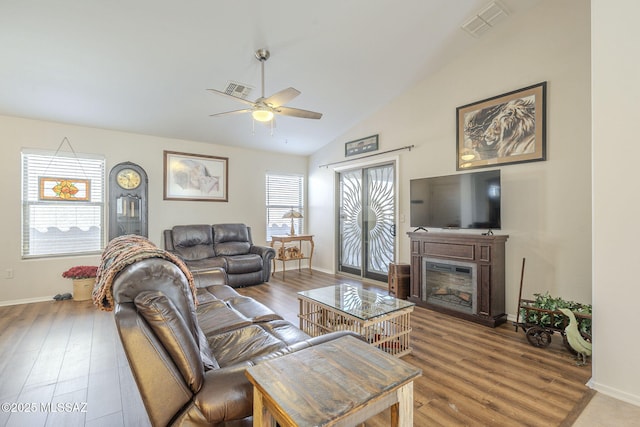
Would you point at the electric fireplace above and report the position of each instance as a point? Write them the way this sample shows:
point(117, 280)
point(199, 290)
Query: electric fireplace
point(450, 284)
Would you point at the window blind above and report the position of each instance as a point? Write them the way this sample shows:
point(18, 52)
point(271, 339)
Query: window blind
point(283, 193)
point(53, 225)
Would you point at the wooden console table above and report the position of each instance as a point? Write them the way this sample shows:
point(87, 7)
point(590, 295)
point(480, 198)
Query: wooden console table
point(283, 240)
point(338, 383)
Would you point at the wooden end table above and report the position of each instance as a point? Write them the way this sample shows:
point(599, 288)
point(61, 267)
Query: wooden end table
point(283, 239)
point(342, 382)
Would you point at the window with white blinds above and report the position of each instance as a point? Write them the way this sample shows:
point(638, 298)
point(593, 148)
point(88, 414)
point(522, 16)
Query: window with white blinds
point(54, 224)
point(284, 193)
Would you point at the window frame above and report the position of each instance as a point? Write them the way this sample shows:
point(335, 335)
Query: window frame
point(280, 207)
point(31, 170)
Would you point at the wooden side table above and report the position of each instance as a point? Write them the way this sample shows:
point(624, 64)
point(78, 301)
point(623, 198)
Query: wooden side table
point(281, 254)
point(338, 383)
point(399, 280)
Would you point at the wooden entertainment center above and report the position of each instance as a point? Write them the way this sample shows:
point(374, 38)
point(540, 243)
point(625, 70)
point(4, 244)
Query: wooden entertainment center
point(480, 261)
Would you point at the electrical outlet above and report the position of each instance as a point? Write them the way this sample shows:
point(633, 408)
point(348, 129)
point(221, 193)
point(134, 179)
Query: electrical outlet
point(8, 273)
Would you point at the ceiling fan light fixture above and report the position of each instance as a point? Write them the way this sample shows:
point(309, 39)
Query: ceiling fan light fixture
point(262, 115)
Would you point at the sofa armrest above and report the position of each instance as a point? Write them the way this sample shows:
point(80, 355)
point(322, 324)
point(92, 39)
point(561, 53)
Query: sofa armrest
point(160, 383)
point(168, 240)
point(226, 394)
point(168, 243)
point(267, 253)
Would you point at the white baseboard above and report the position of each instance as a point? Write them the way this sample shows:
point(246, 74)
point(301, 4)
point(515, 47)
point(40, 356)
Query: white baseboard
point(614, 392)
point(303, 268)
point(323, 270)
point(25, 301)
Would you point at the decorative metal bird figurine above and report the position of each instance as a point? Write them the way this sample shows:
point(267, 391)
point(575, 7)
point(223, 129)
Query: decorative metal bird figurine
point(575, 339)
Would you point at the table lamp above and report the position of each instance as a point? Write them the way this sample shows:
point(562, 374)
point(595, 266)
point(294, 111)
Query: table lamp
point(292, 214)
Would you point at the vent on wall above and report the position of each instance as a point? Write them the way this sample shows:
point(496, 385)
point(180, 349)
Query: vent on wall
point(484, 20)
point(238, 90)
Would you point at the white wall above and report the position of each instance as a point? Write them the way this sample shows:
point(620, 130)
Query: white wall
point(546, 206)
point(616, 199)
point(40, 278)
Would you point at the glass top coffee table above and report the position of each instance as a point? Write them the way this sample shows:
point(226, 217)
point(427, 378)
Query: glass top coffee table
point(383, 321)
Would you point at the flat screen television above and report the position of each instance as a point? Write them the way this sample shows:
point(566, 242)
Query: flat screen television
point(467, 200)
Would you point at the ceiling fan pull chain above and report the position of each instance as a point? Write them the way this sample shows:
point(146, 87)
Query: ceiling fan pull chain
point(262, 73)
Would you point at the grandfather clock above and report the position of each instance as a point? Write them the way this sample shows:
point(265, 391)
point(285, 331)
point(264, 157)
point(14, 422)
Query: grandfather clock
point(128, 207)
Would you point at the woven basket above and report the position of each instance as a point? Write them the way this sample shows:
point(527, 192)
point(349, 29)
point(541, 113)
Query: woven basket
point(82, 288)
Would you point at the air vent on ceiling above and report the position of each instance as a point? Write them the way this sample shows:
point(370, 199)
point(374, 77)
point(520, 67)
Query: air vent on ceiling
point(488, 17)
point(238, 90)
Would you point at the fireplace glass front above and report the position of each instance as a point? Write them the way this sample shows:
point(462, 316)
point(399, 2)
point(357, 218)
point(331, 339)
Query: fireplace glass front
point(450, 284)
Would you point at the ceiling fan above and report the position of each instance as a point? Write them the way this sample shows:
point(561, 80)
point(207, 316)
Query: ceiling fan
point(263, 109)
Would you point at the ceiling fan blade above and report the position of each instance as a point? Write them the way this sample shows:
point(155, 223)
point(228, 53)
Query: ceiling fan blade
point(244, 110)
point(226, 95)
point(282, 97)
point(297, 112)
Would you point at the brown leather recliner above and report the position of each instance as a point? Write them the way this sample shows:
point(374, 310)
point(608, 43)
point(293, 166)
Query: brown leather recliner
point(188, 361)
point(226, 246)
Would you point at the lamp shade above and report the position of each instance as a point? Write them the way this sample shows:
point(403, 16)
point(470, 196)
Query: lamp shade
point(292, 214)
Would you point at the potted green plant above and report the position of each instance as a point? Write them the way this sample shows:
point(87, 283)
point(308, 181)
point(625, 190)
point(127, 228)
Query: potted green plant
point(547, 304)
point(84, 278)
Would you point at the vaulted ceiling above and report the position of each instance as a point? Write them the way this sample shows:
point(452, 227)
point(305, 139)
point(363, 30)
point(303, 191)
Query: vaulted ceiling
point(143, 66)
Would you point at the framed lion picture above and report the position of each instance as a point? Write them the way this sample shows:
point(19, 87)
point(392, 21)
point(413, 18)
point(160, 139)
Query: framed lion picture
point(505, 129)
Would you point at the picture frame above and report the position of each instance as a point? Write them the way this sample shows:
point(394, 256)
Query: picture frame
point(195, 177)
point(359, 146)
point(505, 129)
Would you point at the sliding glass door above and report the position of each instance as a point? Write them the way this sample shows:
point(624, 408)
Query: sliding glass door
point(367, 221)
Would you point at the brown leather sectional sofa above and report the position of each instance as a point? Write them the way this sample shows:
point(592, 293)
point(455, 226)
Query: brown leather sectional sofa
point(189, 360)
point(229, 247)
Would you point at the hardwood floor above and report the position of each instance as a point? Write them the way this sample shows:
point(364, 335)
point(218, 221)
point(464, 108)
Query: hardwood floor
point(68, 352)
point(472, 375)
